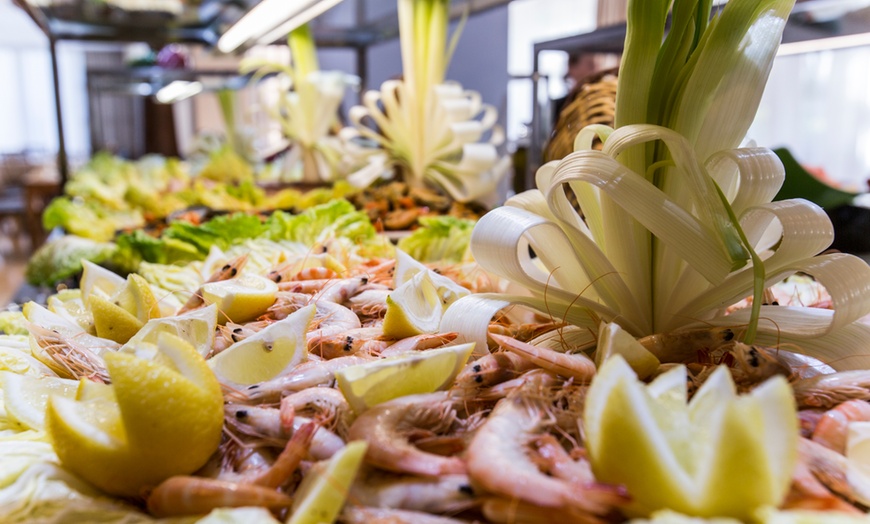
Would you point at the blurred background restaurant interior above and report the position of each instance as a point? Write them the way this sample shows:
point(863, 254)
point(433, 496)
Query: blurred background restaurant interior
point(83, 76)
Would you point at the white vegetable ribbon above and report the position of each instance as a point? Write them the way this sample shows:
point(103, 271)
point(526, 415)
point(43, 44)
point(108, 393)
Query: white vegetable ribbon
point(571, 272)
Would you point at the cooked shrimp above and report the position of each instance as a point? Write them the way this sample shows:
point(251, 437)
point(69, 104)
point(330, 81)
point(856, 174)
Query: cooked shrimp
point(324, 404)
point(269, 425)
point(360, 340)
point(835, 472)
point(289, 459)
point(523, 332)
point(185, 495)
point(443, 494)
point(290, 272)
point(513, 511)
point(499, 462)
point(490, 370)
point(386, 428)
point(230, 333)
point(363, 515)
point(827, 391)
point(340, 290)
point(370, 303)
point(754, 364)
point(808, 493)
point(307, 287)
point(572, 365)
point(832, 429)
point(377, 270)
point(332, 318)
point(808, 419)
point(306, 375)
point(683, 346)
point(534, 380)
point(419, 343)
point(557, 463)
point(66, 357)
point(229, 270)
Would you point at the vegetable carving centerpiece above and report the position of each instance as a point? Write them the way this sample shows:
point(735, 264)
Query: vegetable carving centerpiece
point(307, 113)
point(676, 227)
point(430, 130)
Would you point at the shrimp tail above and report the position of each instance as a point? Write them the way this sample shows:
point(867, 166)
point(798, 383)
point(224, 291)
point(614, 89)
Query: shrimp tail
point(185, 495)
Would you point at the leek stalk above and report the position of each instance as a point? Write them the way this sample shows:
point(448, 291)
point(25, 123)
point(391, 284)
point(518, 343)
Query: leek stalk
point(678, 223)
point(430, 130)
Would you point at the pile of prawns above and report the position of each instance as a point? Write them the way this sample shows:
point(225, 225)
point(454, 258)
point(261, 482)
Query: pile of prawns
point(504, 444)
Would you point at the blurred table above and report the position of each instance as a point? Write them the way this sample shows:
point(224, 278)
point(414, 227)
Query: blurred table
point(40, 184)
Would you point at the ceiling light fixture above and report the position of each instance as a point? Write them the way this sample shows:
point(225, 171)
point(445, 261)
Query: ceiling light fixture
point(269, 17)
point(303, 17)
point(178, 90)
point(824, 44)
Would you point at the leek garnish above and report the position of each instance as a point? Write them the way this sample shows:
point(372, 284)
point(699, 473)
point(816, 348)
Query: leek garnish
point(677, 221)
point(306, 113)
point(432, 131)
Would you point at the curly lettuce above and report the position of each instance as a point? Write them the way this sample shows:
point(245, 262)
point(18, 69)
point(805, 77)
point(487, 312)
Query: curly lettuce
point(62, 259)
point(440, 239)
point(318, 224)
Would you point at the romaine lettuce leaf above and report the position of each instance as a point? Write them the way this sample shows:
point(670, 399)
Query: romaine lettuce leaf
point(62, 258)
point(440, 239)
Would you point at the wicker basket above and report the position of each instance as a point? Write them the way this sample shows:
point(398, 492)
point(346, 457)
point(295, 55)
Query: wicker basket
point(593, 101)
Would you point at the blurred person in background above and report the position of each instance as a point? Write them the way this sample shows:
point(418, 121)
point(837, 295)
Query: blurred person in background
point(580, 65)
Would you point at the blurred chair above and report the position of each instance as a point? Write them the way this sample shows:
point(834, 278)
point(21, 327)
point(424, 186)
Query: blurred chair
point(41, 184)
point(13, 214)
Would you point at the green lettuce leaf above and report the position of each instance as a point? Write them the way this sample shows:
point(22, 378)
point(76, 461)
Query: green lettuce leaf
point(337, 218)
point(62, 259)
point(13, 323)
point(222, 231)
point(441, 238)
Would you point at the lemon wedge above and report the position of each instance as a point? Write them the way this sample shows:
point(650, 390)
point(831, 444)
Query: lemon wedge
point(413, 308)
point(89, 390)
point(98, 281)
point(48, 319)
point(613, 340)
point(68, 304)
point(267, 353)
point(369, 384)
point(407, 267)
point(774, 516)
point(25, 397)
point(113, 321)
point(718, 455)
point(163, 420)
point(858, 445)
point(196, 327)
point(323, 491)
point(240, 299)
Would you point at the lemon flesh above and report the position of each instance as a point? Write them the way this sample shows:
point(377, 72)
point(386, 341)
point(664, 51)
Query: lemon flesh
point(113, 321)
point(68, 304)
point(324, 489)
point(163, 420)
point(144, 304)
point(240, 299)
point(413, 308)
point(266, 354)
point(98, 281)
point(719, 455)
point(369, 384)
point(613, 340)
point(25, 397)
point(196, 327)
point(407, 267)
